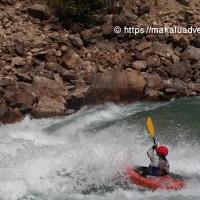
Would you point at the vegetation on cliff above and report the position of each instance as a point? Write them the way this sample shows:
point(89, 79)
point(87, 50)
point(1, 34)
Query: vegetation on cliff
point(77, 10)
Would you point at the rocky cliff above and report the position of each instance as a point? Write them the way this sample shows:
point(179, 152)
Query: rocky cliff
point(47, 70)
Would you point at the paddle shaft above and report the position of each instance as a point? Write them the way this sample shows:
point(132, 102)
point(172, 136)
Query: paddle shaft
point(154, 140)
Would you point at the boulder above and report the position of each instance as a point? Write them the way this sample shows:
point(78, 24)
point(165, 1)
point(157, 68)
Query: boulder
point(175, 89)
point(23, 100)
point(128, 86)
point(118, 20)
point(48, 107)
point(143, 45)
point(18, 61)
point(39, 11)
point(181, 70)
point(12, 116)
point(4, 82)
point(154, 81)
point(196, 42)
point(50, 95)
point(140, 64)
point(131, 85)
point(107, 30)
point(76, 99)
point(128, 14)
point(162, 49)
point(2, 91)
point(71, 60)
point(20, 48)
point(76, 40)
point(143, 8)
point(92, 36)
point(24, 77)
point(43, 86)
point(194, 53)
point(152, 95)
point(184, 42)
point(3, 107)
point(41, 82)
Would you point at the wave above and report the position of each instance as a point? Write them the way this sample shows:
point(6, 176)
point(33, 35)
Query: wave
point(83, 156)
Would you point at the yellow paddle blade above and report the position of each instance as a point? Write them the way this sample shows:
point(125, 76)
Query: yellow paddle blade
point(150, 127)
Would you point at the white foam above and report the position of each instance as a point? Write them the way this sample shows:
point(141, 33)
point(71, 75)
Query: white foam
point(36, 154)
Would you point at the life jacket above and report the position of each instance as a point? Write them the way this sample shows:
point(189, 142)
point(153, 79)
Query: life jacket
point(159, 165)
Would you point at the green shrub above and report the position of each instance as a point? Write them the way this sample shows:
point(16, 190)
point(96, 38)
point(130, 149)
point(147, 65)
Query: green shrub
point(77, 10)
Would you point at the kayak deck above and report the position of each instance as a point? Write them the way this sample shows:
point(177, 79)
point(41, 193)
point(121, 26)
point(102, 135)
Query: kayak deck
point(163, 182)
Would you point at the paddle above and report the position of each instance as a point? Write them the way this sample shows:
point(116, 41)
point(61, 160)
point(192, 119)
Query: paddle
point(151, 129)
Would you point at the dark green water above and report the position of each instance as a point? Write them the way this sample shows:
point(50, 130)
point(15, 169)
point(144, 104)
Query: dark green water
point(83, 156)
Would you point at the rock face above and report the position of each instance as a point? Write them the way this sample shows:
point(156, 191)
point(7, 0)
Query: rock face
point(123, 87)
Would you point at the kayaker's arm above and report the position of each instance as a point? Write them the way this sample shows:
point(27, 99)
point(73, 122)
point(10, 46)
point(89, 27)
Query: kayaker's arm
point(151, 154)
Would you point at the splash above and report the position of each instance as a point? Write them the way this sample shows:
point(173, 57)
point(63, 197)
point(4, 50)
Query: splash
point(83, 156)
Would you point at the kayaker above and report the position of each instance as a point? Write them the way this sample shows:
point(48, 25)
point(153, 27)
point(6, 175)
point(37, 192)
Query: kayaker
point(159, 165)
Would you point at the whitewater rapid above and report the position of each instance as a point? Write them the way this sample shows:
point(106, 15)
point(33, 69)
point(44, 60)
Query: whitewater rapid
point(83, 156)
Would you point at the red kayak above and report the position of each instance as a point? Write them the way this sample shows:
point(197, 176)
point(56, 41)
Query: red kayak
point(153, 183)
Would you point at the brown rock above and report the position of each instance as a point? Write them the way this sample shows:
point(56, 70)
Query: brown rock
point(12, 116)
point(140, 64)
point(143, 9)
point(24, 77)
point(181, 69)
point(196, 42)
point(128, 14)
point(107, 30)
point(92, 36)
point(118, 20)
point(131, 85)
point(20, 49)
point(18, 62)
point(71, 60)
point(3, 107)
point(175, 89)
point(48, 107)
point(75, 28)
point(76, 40)
point(2, 91)
point(4, 82)
point(42, 54)
point(143, 45)
point(194, 53)
point(153, 61)
point(22, 100)
point(154, 81)
point(39, 11)
point(184, 42)
point(40, 82)
point(152, 95)
point(127, 86)
point(76, 99)
point(185, 56)
point(162, 49)
point(69, 75)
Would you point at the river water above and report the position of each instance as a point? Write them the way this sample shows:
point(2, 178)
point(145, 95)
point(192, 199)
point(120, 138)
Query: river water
point(84, 156)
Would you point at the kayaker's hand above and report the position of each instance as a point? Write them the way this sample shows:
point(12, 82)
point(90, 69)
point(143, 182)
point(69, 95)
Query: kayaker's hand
point(155, 146)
